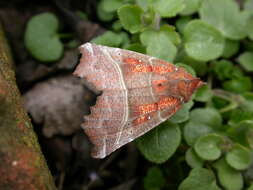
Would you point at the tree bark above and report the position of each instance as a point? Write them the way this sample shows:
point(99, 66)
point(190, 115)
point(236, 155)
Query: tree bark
point(22, 164)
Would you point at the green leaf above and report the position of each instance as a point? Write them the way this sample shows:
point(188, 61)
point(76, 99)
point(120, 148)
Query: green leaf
point(202, 41)
point(102, 14)
point(225, 16)
point(231, 48)
point(147, 36)
point(108, 38)
point(239, 157)
point(191, 6)
point(170, 32)
point(238, 85)
point(161, 143)
point(183, 114)
point(247, 101)
point(199, 179)
point(229, 178)
point(207, 116)
point(249, 137)
point(203, 94)
point(238, 115)
point(154, 180)
point(192, 159)
point(207, 147)
point(194, 130)
point(199, 67)
point(248, 5)
point(144, 4)
point(246, 60)
point(41, 38)
point(117, 26)
point(111, 5)
point(160, 43)
point(182, 22)
point(136, 47)
point(250, 187)
point(223, 69)
point(130, 17)
point(162, 48)
point(168, 8)
point(188, 68)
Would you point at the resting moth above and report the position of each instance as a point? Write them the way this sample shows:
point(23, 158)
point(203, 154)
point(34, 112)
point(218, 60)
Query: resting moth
point(138, 93)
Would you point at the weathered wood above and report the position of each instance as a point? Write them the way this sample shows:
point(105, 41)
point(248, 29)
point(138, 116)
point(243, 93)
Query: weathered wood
point(22, 164)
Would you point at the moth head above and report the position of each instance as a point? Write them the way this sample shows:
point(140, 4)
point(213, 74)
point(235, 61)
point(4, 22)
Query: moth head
point(187, 87)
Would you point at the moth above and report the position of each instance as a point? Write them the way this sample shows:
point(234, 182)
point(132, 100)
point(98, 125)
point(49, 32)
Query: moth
point(138, 93)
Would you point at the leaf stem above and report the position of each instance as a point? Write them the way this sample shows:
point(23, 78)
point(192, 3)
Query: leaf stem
point(157, 21)
point(233, 99)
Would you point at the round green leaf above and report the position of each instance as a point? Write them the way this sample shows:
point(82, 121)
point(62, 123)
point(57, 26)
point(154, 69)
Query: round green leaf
point(202, 41)
point(207, 116)
point(168, 8)
point(194, 130)
point(192, 159)
point(159, 44)
point(154, 180)
point(111, 5)
point(102, 14)
point(239, 157)
point(203, 94)
point(246, 60)
point(249, 25)
point(188, 68)
point(147, 36)
point(238, 85)
point(182, 22)
point(183, 114)
point(170, 32)
point(225, 16)
point(161, 143)
point(162, 48)
point(208, 147)
point(199, 67)
point(130, 17)
point(108, 38)
point(199, 179)
point(231, 47)
point(223, 69)
point(136, 47)
point(41, 37)
point(191, 6)
point(117, 26)
point(229, 178)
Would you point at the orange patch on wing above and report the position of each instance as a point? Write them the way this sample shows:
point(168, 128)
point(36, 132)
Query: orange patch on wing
point(142, 68)
point(130, 60)
point(167, 102)
point(147, 108)
point(141, 120)
point(162, 69)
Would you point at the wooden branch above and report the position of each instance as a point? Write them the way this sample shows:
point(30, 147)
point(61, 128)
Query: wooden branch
point(22, 164)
